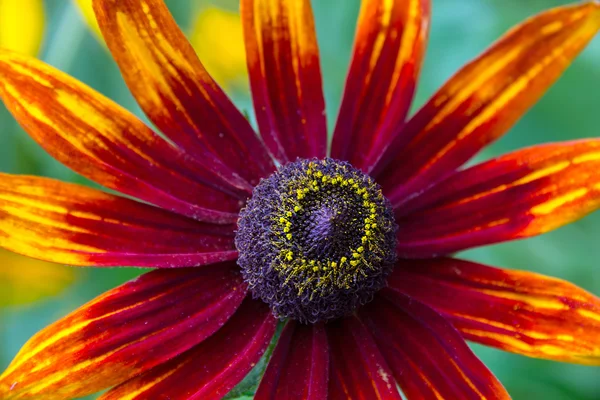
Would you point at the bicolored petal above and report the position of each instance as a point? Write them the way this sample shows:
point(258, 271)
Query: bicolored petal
point(22, 25)
point(484, 99)
point(358, 369)
point(174, 89)
point(517, 311)
point(285, 77)
point(521, 194)
point(299, 367)
point(124, 332)
point(211, 369)
point(427, 355)
point(72, 224)
point(218, 38)
point(104, 142)
point(389, 46)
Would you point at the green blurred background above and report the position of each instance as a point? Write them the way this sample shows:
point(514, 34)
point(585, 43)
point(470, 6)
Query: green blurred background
point(32, 295)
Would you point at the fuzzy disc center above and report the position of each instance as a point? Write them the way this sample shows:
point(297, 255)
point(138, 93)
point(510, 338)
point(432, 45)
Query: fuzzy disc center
point(316, 240)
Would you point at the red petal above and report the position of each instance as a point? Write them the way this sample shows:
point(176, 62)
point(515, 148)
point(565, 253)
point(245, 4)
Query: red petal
point(428, 357)
point(211, 369)
point(483, 100)
point(388, 50)
point(104, 142)
point(285, 77)
point(358, 369)
point(299, 366)
point(517, 311)
point(72, 224)
point(175, 91)
point(521, 194)
point(124, 332)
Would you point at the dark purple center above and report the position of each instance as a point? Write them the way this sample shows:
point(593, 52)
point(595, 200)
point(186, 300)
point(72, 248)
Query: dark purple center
point(316, 240)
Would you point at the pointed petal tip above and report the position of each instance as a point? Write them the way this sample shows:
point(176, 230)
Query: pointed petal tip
point(517, 311)
point(124, 332)
point(174, 89)
point(520, 194)
point(102, 141)
point(483, 100)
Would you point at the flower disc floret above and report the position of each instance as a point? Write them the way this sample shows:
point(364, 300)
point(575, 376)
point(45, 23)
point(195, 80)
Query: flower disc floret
point(316, 240)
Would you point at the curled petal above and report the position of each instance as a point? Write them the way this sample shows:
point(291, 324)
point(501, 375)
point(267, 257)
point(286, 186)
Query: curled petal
point(174, 89)
point(299, 366)
point(517, 311)
point(72, 224)
point(358, 369)
point(124, 332)
point(521, 194)
point(484, 99)
point(104, 142)
point(388, 50)
point(427, 355)
point(211, 369)
point(285, 77)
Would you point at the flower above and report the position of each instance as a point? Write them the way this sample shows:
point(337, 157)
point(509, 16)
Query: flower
point(25, 280)
point(315, 228)
point(217, 38)
point(22, 279)
point(87, 12)
point(21, 25)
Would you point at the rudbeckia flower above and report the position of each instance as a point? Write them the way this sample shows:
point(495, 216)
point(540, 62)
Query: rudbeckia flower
point(350, 244)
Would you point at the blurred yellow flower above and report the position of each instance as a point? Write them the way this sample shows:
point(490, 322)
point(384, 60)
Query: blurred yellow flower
point(25, 280)
point(22, 279)
point(218, 39)
point(21, 25)
point(85, 6)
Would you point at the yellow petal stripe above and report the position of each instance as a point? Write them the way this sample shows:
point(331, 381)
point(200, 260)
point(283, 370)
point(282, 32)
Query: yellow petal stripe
point(486, 97)
point(106, 143)
point(174, 89)
point(518, 195)
point(518, 311)
point(123, 333)
point(73, 224)
point(285, 77)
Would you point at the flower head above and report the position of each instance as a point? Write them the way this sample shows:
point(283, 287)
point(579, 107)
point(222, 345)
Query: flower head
point(316, 240)
point(351, 246)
